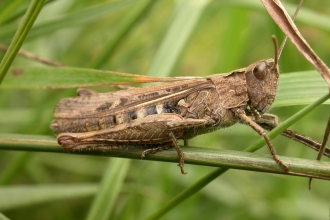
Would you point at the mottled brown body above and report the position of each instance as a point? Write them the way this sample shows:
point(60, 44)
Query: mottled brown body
point(161, 114)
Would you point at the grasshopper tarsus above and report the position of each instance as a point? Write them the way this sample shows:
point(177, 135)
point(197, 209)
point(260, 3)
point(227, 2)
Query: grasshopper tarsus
point(182, 170)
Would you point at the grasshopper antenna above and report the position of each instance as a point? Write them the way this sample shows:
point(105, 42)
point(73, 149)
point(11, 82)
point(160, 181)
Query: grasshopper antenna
point(276, 56)
point(286, 37)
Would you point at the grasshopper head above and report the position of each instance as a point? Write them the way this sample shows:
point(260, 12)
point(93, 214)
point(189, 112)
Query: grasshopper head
point(262, 80)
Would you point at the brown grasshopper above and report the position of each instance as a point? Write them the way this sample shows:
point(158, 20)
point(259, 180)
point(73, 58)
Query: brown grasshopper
point(162, 114)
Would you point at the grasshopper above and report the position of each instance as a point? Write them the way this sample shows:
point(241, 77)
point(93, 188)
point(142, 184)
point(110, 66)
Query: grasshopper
point(162, 114)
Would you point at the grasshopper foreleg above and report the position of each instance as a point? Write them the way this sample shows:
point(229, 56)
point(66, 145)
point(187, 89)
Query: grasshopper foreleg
point(241, 114)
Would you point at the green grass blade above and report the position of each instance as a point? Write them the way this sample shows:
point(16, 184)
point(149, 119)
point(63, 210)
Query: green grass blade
point(70, 77)
point(8, 9)
point(13, 197)
point(14, 10)
point(111, 185)
point(14, 167)
point(3, 217)
point(184, 21)
point(20, 35)
point(300, 88)
point(73, 19)
point(131, 20)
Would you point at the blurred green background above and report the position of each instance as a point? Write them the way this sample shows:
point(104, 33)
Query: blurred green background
point(156, 38)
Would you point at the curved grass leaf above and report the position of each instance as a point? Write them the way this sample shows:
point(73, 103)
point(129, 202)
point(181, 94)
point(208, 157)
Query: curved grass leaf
point(71, 77)
point(299, 88)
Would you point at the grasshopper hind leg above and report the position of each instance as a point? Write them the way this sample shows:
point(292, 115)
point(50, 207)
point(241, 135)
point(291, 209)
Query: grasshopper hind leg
point(161, 129)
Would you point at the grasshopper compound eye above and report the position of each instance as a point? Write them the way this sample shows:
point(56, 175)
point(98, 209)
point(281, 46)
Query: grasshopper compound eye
point(260, 71)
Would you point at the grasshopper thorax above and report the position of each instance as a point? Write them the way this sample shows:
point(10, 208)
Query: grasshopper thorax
point(261, 81)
